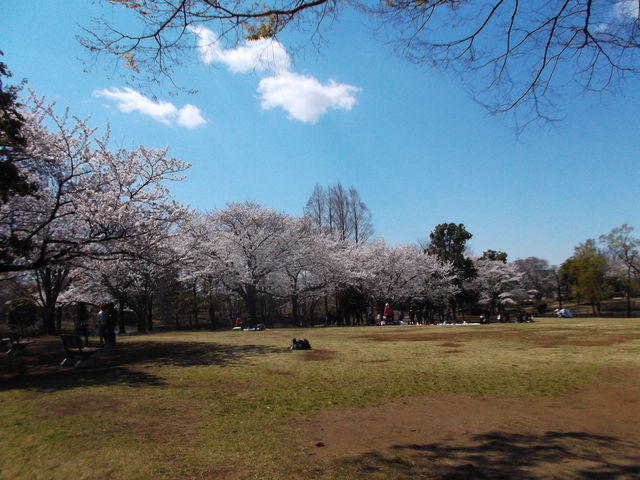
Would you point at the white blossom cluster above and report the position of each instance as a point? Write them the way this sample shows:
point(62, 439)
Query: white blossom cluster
point(89, 200)
point(101, 225)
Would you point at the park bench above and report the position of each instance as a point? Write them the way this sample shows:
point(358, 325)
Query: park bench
point(15, 343)
point(78, 354)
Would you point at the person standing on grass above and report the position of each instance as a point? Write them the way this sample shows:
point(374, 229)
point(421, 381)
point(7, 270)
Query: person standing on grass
point(387, 314)
point(101, 324)
point(82, 322)
point(111, 324)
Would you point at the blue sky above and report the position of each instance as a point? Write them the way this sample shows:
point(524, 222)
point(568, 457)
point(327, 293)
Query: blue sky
point(414, 144)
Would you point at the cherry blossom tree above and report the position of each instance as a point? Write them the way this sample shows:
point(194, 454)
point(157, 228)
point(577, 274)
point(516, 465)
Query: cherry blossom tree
point(498, 283)
point(51, 281)
point(538, 277)
point(399, 273)
point(90, 201)
point(311, 269)
point(248, 244)
point(130, 280)
point(200, 267)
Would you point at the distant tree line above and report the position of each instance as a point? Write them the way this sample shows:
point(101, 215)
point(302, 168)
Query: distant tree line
point(82, 224)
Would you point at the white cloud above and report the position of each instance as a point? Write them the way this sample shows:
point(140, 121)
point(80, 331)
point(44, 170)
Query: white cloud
point(263, 55)
point(303, 97)
point(626, 10)
point(190, 116)
point(129, 100)
point(601, 27)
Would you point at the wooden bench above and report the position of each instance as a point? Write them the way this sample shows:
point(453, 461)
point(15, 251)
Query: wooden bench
point(78, 354)
point(15, 343)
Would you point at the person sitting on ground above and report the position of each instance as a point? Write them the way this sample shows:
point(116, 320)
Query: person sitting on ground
point(302, 344)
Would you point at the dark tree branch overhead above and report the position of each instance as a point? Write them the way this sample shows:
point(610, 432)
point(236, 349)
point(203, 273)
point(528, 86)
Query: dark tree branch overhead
point(514, 56)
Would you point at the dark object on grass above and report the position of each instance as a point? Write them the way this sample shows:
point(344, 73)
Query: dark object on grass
point(74, 348)
point(302, 344)
point(16, 344)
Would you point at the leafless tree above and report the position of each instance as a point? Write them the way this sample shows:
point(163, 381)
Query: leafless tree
point(316, 208)
point(514, 55)
point(340, 211)
point(339, 202)
point(359, 217)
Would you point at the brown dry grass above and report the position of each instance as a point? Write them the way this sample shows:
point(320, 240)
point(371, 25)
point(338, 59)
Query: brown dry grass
point(315, 355)
point(546, 400)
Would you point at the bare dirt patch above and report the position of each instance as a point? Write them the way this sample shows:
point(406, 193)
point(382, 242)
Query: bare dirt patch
point(591, 434)
point(315, 355)
point(549, 340)
point(81, 404)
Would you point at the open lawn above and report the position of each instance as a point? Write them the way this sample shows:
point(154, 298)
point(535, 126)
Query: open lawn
point(558, 398)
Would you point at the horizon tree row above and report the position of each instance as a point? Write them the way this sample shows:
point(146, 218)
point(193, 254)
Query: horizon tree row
point(82, 222)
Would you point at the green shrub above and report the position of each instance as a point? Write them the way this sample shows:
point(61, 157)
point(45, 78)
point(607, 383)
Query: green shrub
point(22, 312)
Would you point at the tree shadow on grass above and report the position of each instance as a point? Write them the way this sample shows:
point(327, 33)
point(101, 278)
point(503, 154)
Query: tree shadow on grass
point(506, 455)
point(126, 364)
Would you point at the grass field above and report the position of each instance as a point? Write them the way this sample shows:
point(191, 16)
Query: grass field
point(240, 405)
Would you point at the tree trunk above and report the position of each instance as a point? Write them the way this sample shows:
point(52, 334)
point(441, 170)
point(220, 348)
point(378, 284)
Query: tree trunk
point(176, 311)
point(294, 310)
point(122, 329)
point(326, 311)
point(229, 313)
point(628, 292)
point(262, 308)
point(49, 319)
point(558, 290)
point(142, 321)
point(150, 314)
point(212, 312)
point(250, 299)
point(196, 306)
point(58, 314)
point(51, 281)
point(312, 309)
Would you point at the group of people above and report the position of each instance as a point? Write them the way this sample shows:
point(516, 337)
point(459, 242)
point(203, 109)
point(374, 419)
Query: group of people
point(506, 318)
point(105, 323)
point(427, 317)
point(415, 317)
point(387, 317)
